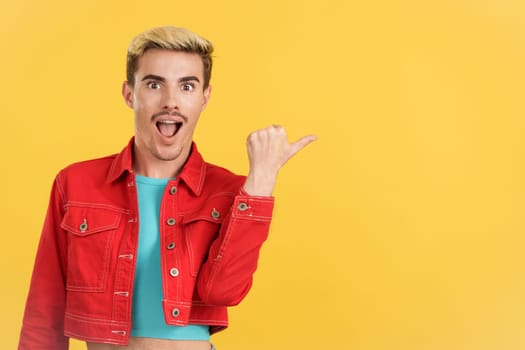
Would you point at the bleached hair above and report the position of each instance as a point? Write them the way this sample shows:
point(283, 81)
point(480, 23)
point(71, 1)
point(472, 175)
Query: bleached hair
point(169, 38)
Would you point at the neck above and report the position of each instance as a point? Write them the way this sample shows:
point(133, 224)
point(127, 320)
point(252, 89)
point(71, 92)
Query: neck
point(145, 164)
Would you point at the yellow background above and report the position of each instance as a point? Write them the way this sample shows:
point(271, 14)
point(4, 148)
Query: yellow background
point(400, 228)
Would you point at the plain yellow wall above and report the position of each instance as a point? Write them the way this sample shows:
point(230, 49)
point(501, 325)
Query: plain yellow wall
point(400, 228)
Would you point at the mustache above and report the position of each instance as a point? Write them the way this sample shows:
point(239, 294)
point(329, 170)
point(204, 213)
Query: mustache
point(173, 114)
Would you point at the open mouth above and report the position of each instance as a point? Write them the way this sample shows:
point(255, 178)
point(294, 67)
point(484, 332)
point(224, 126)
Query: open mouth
point(168, 128)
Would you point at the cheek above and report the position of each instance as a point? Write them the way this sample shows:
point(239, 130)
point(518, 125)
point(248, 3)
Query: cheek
point(196, 106)
point(144, 111)
point(146, 102)
point(142, 115)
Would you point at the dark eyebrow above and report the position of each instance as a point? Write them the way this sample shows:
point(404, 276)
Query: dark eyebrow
point(159, 78)
point(153, 77)
point(189, 78)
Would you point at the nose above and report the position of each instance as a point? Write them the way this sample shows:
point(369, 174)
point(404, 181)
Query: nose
point(170, 99)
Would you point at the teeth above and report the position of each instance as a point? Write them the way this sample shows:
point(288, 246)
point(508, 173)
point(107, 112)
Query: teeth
point(167, 122)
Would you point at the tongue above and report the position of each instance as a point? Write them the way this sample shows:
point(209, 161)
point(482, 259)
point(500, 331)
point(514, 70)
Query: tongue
point(167, 130)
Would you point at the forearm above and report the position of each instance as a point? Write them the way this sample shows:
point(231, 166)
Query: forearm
point(260, 183)
point(42, 327)
point(226, 277)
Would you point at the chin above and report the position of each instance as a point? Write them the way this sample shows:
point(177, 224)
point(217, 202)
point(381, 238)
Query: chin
point(169, 154)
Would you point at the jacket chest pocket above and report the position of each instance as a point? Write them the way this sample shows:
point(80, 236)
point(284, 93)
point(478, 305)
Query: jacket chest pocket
point(202, 226)
point(90, 235)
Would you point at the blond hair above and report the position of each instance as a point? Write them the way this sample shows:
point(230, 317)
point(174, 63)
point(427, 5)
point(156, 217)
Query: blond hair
point(169, 38)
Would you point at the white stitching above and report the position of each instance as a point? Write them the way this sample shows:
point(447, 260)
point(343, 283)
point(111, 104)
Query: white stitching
point(125, 294)
point(126, 256)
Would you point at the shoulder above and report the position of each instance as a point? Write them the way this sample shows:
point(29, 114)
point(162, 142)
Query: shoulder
point(217, 175)
point(87, 182)
point(88, 169)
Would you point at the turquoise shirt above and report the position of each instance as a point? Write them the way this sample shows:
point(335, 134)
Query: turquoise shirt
point(148, 317)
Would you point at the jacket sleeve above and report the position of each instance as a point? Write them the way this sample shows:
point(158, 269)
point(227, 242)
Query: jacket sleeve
point(226, 277)
point(43, 323)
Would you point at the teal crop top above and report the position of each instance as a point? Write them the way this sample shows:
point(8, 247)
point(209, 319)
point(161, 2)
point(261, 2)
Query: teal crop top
point(147, 316)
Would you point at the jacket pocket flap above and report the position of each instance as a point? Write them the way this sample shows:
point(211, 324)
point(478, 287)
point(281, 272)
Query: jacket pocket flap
point(84, 221)
point(214, 209)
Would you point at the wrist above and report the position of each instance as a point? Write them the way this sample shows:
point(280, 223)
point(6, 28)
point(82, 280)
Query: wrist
point(259, 184)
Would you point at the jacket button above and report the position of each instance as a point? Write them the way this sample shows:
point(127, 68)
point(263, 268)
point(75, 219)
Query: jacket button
point(242, 206)
point(83, 226)
point(215, 214)
point(171, 245)
point(175, 312)
point(174, 272)
point(171, 221)
point(173, 190)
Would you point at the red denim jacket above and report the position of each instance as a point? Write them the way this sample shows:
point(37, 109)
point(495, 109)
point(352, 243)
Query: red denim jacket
point(82, 283)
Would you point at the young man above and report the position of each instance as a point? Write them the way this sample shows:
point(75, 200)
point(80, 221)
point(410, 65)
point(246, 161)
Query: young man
point(147, 248)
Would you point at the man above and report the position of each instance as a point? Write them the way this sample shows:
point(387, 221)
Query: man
point(147, 248)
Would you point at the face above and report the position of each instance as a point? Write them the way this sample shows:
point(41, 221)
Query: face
point(167, 98)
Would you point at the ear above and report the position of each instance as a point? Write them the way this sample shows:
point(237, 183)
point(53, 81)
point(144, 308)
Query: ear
point(207, 95)
point(127, 93)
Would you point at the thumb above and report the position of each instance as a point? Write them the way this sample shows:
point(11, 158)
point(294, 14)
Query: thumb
point(301, 143)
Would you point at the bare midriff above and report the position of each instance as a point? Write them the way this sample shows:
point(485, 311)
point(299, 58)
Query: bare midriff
point(136, 343)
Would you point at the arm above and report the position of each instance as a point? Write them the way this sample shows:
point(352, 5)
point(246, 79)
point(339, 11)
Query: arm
point(42, 327)
point(232, 260)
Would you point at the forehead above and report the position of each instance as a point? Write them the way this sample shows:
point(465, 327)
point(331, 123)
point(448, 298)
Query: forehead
point(169, 64)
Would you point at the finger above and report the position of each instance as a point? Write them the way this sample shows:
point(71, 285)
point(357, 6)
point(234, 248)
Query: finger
point(301, 143)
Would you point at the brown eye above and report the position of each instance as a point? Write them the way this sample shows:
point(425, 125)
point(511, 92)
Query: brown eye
point(153, 85)
point(188, 87)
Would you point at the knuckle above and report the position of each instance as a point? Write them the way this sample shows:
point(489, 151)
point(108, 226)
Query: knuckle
point(254, 136)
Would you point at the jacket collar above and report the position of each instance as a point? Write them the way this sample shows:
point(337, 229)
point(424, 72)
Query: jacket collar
point(192, 173)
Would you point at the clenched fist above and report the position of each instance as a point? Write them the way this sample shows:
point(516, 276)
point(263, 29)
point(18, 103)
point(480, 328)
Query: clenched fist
point(268, 151)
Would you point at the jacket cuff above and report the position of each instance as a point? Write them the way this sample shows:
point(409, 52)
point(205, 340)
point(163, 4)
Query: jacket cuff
point(253, 207)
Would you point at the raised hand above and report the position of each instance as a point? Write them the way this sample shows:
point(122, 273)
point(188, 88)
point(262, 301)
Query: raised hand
point(268, 151)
